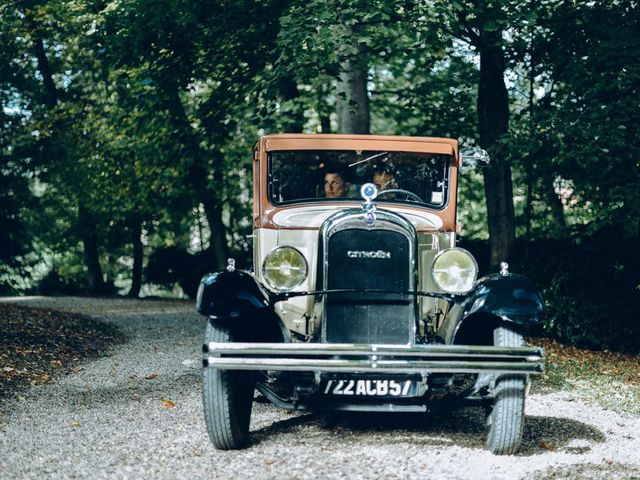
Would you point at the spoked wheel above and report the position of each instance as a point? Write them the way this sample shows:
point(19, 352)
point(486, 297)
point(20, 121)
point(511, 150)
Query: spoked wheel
point(505, 421)
point(227, 397)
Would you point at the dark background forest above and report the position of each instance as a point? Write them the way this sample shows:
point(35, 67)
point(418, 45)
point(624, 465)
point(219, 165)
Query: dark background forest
point(126, 134)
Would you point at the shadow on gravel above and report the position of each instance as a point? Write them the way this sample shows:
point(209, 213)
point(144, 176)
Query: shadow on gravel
point(609, 470)
point(376, 428)
point(458, 427)
point(542, 434)
point(134, 389)
point(281, 427)
point(462, 426)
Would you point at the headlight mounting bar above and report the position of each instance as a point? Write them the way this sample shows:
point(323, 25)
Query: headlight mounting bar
point(275, 297)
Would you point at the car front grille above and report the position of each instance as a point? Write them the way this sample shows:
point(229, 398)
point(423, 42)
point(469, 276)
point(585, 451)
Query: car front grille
point(378, 259)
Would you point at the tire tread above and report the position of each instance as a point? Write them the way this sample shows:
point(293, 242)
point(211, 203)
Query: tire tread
point(227, 427)
point(505, 423)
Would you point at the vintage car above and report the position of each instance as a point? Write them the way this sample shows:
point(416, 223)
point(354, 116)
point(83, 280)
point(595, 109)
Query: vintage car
point(359, 298)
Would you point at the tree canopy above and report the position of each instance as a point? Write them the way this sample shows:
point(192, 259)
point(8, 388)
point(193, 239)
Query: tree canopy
point(126, 130)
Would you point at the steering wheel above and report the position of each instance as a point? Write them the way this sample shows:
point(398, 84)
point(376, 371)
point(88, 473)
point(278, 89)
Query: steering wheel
point(400, 191)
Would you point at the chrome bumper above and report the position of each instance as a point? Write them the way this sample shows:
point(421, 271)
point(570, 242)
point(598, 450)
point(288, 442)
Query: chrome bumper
point(367, 358)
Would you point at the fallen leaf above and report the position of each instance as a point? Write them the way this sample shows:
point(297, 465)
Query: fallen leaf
point(45, 378)
point(75, 424)
point(153, 376)
point(269, 461)
point(168, 404)
point(547, 445)
point(35, 341)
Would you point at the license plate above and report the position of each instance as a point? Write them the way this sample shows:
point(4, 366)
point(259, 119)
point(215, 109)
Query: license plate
point(369, 388)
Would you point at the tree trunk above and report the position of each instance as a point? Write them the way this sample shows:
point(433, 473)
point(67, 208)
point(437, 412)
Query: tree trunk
point(50, 90)
point(352, 104)
point(529, 164)
point(88, 231)
point(294, 122)
point(556, 207)
point(493, 113)
point(198, 174)
point(218, 229)
point(138, 257)
point(325, 123)
point(528, 210)
point(323, 109)
point(95, 278)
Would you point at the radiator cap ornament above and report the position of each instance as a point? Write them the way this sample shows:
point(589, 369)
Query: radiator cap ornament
point(369, 192)
point(504, 269)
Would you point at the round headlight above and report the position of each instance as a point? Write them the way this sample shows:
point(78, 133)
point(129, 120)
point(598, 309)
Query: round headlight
point(284, 268)
point(454, 270)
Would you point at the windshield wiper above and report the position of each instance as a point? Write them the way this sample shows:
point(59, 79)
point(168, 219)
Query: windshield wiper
point(368, 159)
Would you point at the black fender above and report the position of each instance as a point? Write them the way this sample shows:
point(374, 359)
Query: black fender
point(237, 298)
point(511, 300)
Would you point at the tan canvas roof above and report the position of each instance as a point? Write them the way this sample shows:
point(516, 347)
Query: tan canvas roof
point(300, 141)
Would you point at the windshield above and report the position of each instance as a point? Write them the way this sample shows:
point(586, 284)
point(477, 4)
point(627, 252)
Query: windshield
point(337, 175)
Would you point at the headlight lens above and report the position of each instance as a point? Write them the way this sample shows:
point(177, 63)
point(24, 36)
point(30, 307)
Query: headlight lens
point(454, 270)
point(284, 268)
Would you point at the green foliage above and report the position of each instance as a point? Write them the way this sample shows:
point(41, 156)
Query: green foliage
point(55, 284)
point(171, 265)
point(145, 112)
point(577, 132)
point(472, 211)
point(593, 297)
point(14, 238)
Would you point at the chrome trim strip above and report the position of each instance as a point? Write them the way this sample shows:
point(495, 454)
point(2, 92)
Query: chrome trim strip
point(378, 358)
point(384, 407)
point(366, 366)
point(358, 349)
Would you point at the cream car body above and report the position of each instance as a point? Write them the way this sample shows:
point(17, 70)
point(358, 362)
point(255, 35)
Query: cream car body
point(363, 302)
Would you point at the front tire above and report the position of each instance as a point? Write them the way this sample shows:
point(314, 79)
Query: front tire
point(505, 421)
point(227, 399)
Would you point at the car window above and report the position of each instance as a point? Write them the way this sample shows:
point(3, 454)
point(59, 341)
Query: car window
point(337, 175)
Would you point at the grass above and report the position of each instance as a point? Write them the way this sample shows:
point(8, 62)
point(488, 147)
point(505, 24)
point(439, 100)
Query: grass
point(609, 379)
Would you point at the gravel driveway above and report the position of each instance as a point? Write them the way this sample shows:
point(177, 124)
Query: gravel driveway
point(136, 413)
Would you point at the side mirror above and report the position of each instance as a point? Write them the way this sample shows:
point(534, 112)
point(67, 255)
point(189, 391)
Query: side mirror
point(474, 156)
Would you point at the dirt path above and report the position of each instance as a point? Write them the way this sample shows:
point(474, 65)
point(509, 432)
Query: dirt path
point(136, 413)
